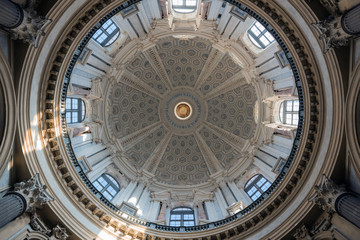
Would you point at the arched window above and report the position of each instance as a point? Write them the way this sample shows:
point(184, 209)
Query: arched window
point(289, 112)
point(75, 110)
point(182, 216)
point(184, 6)
point(107, 33)
point(259, 36)
point(256, 186)
point(107, 185)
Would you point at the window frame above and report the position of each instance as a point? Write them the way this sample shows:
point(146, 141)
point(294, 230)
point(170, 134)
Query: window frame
point(182, 211)
point(184, 6)
point(283, 112)
point(81, 110)
point(256, 39)
point(110, 37)
point(253, 183)
point(110, 182)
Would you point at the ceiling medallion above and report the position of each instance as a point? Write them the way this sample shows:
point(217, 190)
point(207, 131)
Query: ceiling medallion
point(183, 110)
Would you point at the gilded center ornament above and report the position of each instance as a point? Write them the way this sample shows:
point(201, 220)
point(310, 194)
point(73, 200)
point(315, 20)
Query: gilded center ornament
point(183, 110)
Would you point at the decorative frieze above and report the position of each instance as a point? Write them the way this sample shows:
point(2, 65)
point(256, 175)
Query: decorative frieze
point(295, 42)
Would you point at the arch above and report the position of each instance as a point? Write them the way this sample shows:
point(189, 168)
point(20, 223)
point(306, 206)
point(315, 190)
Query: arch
point(107, 33)
point(259, 36)
point(8, 117)
point(182, 216)
point(295, 159)
point(256, 185)
point(75, 110)
point(289, 112)
point(107, 186)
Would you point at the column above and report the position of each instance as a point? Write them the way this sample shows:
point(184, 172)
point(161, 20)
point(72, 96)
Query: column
point(222, 203)
point(266, 170)
point(334, 198)
point(347, 205)
point(11, 14)
point(98, 157)
point(202, 214)
point(26, 197)
point(134, 198)
point(162, 214)
point(144, 199)
point(154, 210)
point(147, 204)
point(210, 209)
point(350, 21)
point(12, 205)
point(241, 196)
point(99, 169)
point(23, 24)
point(227, 194)
point(126, 194)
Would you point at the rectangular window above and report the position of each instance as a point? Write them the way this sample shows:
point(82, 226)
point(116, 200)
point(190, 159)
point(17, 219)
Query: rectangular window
point(175, 217)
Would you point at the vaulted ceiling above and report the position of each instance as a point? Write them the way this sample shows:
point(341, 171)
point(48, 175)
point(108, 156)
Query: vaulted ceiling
point(182, 152)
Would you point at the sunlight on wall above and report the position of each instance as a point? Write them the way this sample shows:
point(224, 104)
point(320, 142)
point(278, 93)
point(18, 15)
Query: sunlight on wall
point(133, 201)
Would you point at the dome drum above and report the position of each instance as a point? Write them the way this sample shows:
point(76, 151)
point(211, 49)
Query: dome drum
point(153, 148)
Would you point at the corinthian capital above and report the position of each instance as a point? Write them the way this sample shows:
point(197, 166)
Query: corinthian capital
point(34, 192)
point(59, 233)
point(326, 194)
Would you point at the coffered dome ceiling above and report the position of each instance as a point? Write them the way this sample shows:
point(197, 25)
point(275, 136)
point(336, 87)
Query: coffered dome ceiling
point(187, 121)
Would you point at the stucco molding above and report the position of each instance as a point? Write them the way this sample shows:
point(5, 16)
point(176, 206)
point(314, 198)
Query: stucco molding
point(9, 110)
point(244, 226)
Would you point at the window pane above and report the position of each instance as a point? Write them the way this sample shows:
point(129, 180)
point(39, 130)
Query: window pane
point(175, 217)
point(68, 117)
point(254, 41)
point(98, 186)
point(288, 118)
point(255, 30)
point(188, 223)
point(111, 190)
point(74, 104)
point(107, 196)
point(107, 23)
point(102, 181)
point(97, 33)
point(289, 106)
point(111, 29)
point(175, 223)
point(74, 117)
point(188, 217)
point(264, 40)
point(251, 191)
point(190, 3)
point(178, 2)
point(260, 26)
point(68, 103)
point(256, 196)
point(265, 186)
point(261, 182)
point(296, 106)
point(102, 38)
point(269, 36)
